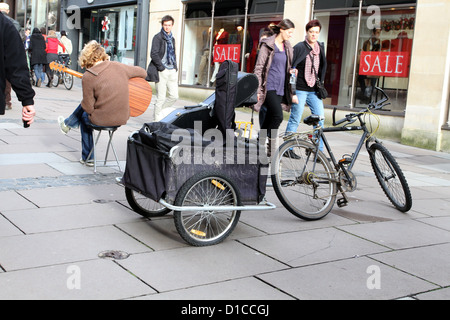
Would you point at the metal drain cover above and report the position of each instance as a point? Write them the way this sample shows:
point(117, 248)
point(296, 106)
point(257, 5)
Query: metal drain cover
point(114, 254)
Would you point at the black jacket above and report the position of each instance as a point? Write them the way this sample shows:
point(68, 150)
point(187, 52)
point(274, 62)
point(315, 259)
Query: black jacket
point(13, 65)
point(156, 54)
point(37, 49)
point(301, 51)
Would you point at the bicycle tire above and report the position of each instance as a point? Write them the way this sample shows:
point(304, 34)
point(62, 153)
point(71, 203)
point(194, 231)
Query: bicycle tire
point(144, 206)
point(201, 227)
point(295, 180)
point(55, 79)
point(390, 177)
point(68, 80)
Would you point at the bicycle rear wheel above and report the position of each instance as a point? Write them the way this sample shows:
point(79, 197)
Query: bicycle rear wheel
point(207, 227)
point(306, 188)
point(390, 177)
point(144, 206)
point(68, 80)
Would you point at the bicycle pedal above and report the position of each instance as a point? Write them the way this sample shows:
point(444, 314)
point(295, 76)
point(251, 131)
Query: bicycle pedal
point(342, 202)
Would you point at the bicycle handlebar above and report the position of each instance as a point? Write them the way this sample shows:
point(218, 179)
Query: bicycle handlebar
point(373, 105)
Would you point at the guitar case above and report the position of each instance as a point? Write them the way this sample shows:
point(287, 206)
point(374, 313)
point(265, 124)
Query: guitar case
point(245, 96)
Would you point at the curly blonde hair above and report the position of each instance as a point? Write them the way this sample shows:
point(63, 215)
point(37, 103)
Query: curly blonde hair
point(92, 53)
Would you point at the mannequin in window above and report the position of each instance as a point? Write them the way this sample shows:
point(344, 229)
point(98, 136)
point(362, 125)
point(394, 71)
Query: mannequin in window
point(367, 83)
point(221, 37)
point(204, 60)
point(238, 38)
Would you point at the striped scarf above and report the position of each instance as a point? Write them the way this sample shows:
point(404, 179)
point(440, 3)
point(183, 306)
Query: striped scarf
point(170, 48)
point(314, 55)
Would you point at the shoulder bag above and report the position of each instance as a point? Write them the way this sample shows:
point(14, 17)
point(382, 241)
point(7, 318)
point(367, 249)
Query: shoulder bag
point(322, 93)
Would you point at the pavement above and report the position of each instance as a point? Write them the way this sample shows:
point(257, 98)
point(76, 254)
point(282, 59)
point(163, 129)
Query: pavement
point(58, 218)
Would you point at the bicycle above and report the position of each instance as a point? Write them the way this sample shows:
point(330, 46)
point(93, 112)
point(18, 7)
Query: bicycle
point(307, 182)
point(59, 76)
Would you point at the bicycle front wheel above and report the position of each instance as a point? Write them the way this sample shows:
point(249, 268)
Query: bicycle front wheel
point(68, 80)
point(204, 227)
point(390, 177)
point(55, 80)
point(307, 188)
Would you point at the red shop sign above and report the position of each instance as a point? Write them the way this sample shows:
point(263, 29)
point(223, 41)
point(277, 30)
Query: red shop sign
point(388, 64)
point(224, 52)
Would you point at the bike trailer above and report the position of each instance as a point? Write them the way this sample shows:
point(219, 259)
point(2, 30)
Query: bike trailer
point(157, 173)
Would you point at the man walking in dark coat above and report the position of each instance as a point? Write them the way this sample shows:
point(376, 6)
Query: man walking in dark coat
point(14, 68)
point(4, 10)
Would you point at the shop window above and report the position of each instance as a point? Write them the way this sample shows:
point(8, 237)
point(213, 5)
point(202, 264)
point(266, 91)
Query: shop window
point(382, 59)
point(115, 30)
point(229, 38)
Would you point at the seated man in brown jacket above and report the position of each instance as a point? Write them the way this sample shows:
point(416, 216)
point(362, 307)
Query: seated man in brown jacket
point(105, 95)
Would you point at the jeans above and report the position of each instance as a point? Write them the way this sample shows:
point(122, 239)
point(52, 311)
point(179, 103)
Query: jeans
point(39, 72)
point(80, 119)
point(315, 105)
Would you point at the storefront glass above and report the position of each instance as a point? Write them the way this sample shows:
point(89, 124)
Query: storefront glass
point(38, 14)
point(382, 58)
point(230, 39)
point(115, 29)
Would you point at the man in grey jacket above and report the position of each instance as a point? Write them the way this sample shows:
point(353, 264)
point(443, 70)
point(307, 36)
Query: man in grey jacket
point(163, 68)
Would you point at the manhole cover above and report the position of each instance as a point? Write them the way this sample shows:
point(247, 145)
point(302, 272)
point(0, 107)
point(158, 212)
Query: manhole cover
point(114, 254)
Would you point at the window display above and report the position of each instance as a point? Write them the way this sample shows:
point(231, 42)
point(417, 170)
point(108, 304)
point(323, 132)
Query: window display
point(115, 29)
point(206, 45)
point(383, 55)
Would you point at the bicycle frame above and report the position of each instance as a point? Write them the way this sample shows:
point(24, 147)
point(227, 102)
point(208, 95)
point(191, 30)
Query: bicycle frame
point(355, 154)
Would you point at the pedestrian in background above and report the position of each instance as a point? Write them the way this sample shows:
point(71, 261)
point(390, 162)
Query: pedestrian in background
point(14, 68)
point(105, 96)
point(163, 68)
point(38, 55)
point(273, 69)
point(309, 60)
point(52, 53)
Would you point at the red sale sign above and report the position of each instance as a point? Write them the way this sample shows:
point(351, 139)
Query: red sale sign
point(224, 52)
point(388, 64)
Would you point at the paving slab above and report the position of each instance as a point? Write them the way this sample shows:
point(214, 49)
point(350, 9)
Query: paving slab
point(351, 279)
point(188, 267)
point(53, 197)
point(438, 294)
point(48, 219)
point(11, 200)
point(7, 229)
point(83, 280)
point(312, 246)
point(429, 263)
point(400, 234)
point(50, 248)
point(248, 288)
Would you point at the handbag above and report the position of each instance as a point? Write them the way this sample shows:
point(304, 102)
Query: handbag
point(321, 92)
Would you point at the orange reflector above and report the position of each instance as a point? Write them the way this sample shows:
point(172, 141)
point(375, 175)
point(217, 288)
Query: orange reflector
point(218, 184)
point(198, 233)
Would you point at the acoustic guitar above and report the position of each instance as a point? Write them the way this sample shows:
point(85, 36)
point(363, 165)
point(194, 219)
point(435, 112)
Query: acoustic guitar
point(140, 97)
point(140, 91)
point(62, 68)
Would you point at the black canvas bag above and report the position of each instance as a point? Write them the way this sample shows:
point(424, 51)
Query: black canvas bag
point(226, 89)
point(164, 136)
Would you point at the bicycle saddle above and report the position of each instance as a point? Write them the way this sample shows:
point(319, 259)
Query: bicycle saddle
point(312, 120)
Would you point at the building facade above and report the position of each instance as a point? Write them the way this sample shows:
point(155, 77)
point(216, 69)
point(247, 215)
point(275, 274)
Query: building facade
point(387, 43)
